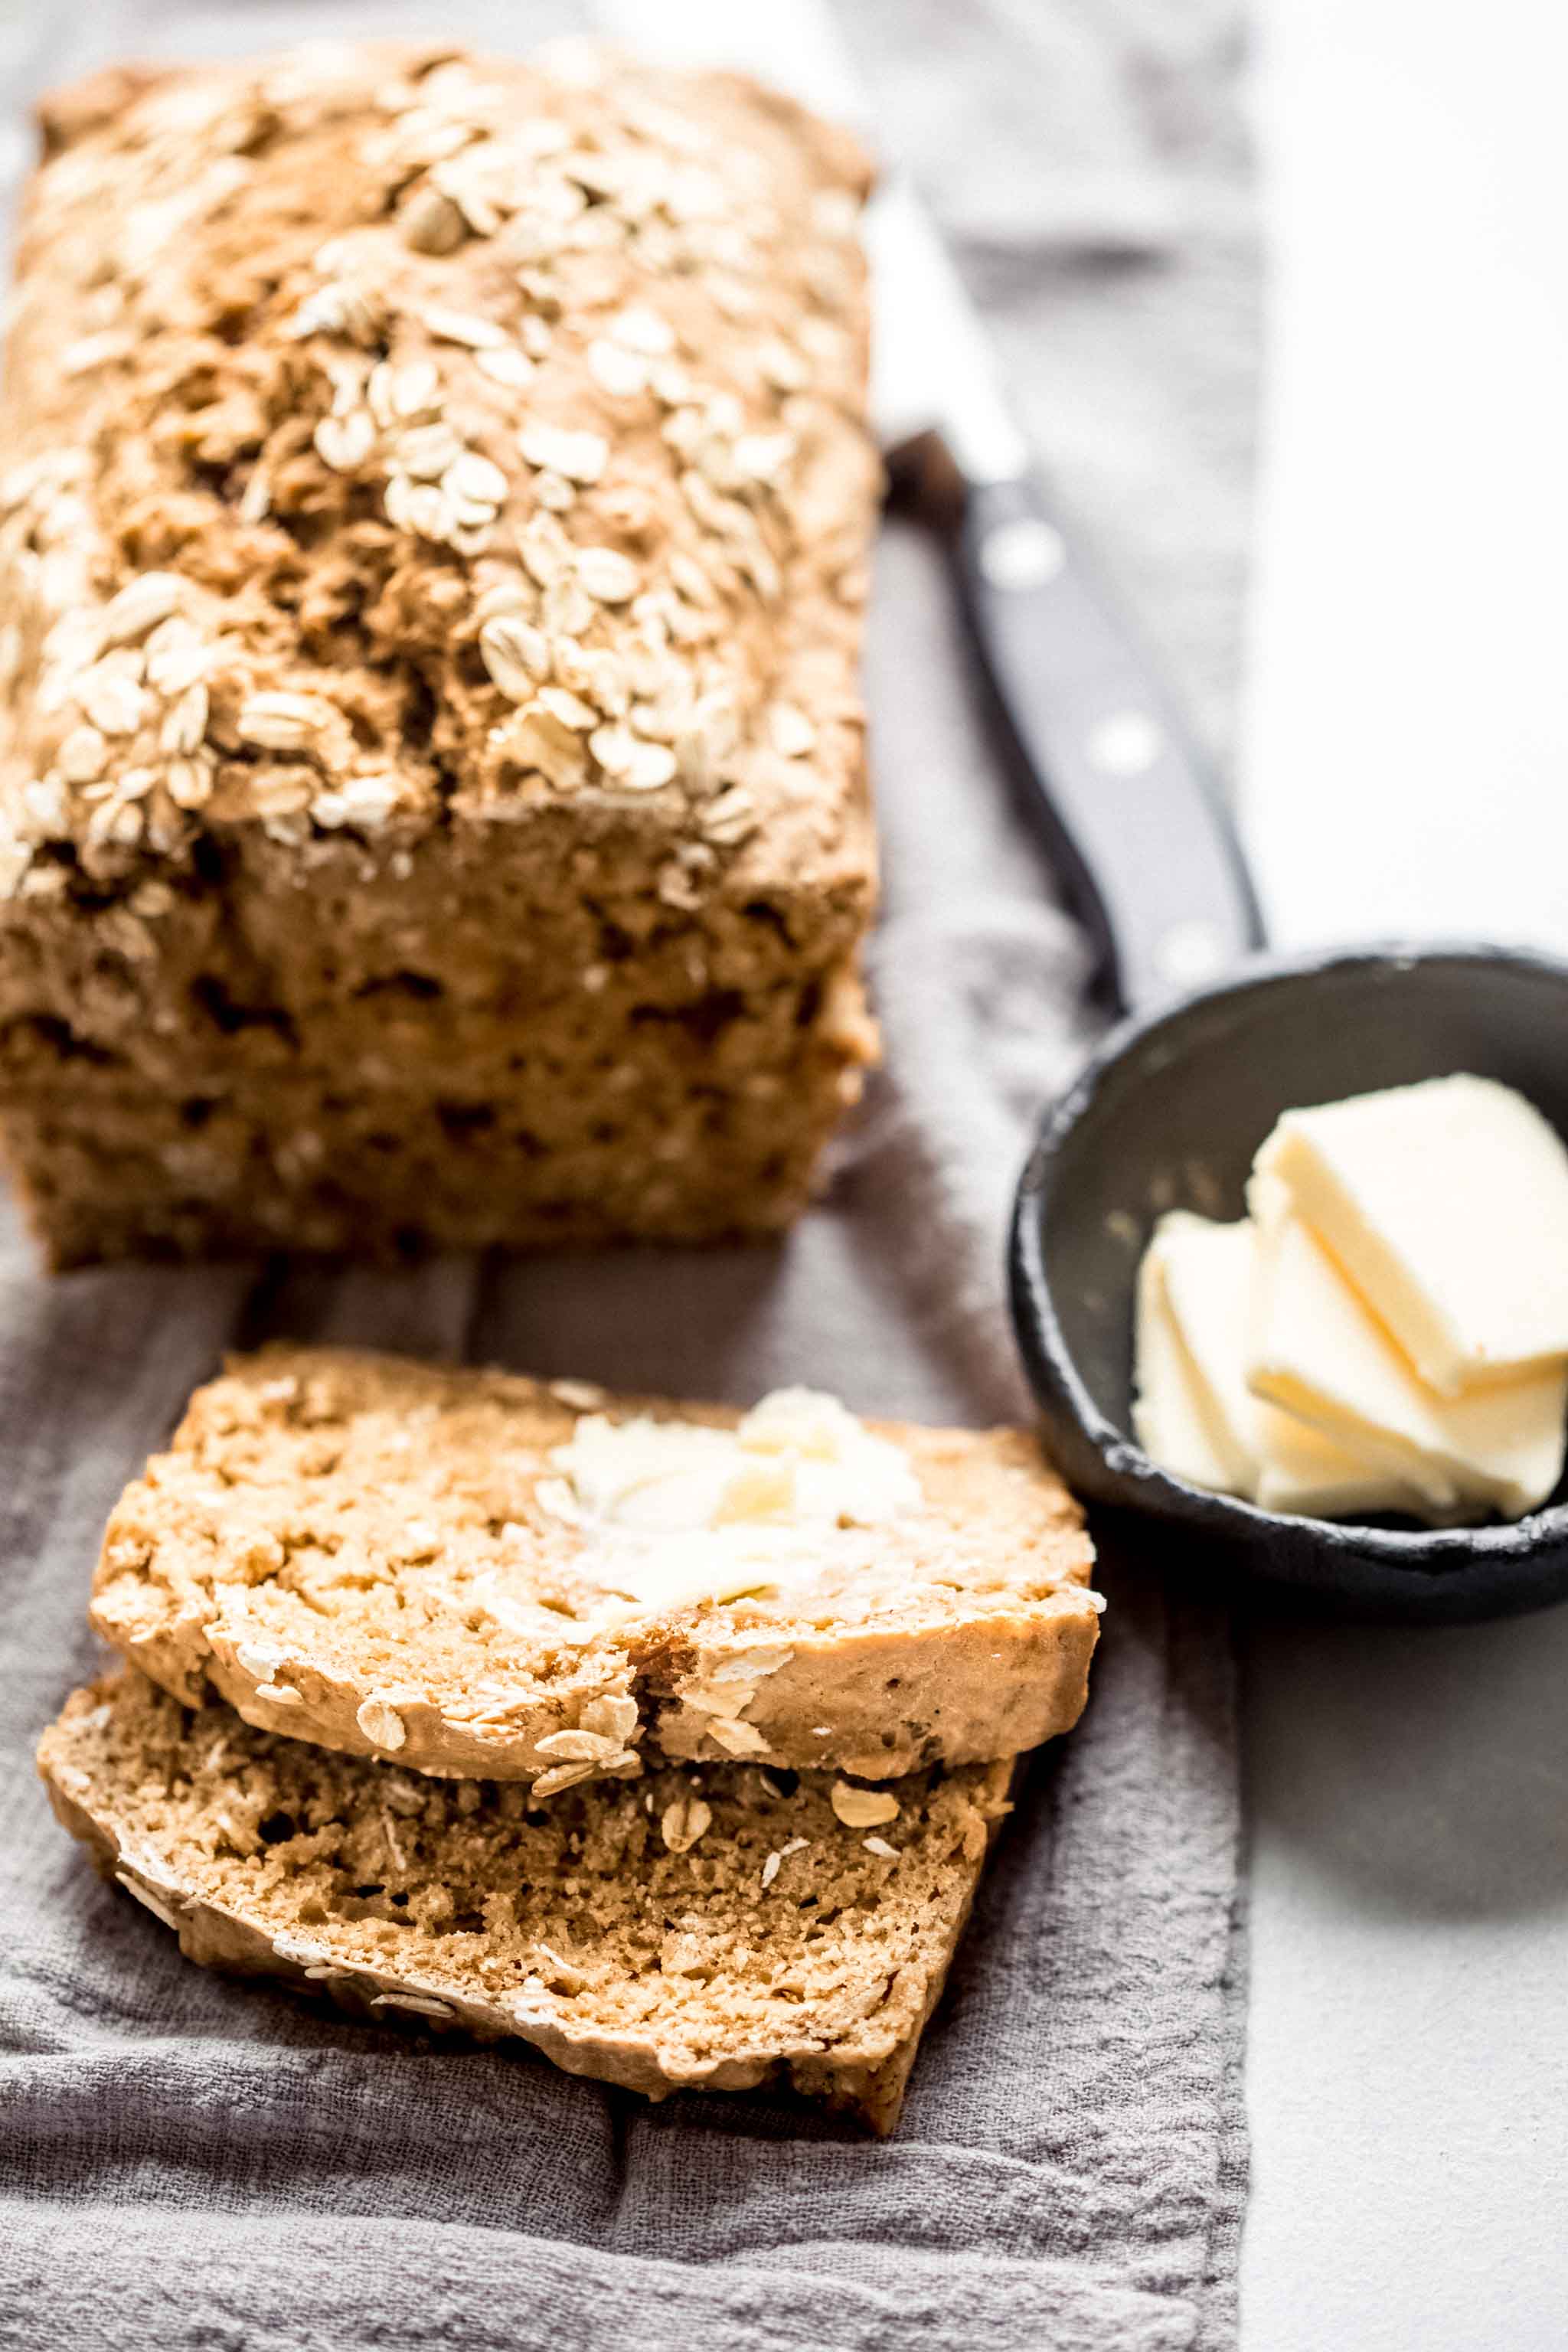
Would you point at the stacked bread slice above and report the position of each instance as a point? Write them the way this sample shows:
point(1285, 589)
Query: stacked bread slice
point(666, 1738)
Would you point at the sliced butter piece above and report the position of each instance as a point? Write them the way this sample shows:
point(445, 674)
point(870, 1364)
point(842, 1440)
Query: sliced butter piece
point(1316, 1350)
point(1170, 1415)
point(1208, 1284)
point(1447, 1204)
point(1194, 1415)
point(1313, 1477)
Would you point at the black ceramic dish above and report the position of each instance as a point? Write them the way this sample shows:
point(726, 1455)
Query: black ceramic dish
point(1172, 1107)
point(1168, 1115)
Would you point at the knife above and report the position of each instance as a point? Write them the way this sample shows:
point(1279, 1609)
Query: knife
point(1109, 771)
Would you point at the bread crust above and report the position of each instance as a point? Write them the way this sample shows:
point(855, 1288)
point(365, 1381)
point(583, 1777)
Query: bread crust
point(977, 1646)
point(897, 1701)
point(863, 2071)
point(434, 521)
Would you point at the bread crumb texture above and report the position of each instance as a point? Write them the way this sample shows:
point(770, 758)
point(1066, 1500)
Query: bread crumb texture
point(382, 1555)
point(433, 537)
point(712, 1929)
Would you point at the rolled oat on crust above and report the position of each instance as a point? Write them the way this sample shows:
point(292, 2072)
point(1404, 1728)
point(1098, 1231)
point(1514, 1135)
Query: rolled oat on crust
point(434, 513)
point(715, 1930)
point(388, 1559)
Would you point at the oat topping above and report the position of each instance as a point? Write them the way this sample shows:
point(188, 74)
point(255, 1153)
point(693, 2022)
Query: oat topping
point(603, 1742)
point(863, 1809)
point(546, 406)
point(564, 1776)
point(683, 1822)
point(421, 2004)
point(735, 1737)
point(383, 1727)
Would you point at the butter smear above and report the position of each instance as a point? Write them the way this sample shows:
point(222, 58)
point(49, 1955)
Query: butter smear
point(675, 1512)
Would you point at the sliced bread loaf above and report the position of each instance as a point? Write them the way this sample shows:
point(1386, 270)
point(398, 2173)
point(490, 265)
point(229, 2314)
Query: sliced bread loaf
point(486, 1576)
point(713, 1929)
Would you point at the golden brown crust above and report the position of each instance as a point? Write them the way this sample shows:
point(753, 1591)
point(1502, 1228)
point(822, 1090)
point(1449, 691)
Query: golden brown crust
point(432, 545)
point(248, 1847)
point(184, 338)
point(335, 1531)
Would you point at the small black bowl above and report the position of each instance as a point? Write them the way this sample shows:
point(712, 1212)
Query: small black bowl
point(1168, 1115)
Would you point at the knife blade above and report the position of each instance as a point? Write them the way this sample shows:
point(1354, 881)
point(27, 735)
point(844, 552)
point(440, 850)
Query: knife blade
point(1106, 767)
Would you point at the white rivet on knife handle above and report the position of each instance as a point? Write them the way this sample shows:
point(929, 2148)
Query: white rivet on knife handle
point(1023, 553)
point(1190, 953)
point(1126, 744)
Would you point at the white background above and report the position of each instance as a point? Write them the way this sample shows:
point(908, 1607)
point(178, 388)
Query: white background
point(1405, 768)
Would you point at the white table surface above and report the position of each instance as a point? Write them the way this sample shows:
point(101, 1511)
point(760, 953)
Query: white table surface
point(1405, 768)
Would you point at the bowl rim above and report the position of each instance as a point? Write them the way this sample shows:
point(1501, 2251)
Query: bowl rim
point(1138, 1483)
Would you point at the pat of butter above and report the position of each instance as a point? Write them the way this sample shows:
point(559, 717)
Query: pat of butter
point(1201, 1275)
point(1312, 1475)
point(1446, 1204)
point(675, 1512)
point(1316, 1349)
point(1175, 1422)
point(1193, 1412)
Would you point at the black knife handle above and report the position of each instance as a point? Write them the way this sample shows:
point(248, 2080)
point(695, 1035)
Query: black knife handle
point(1130, 810)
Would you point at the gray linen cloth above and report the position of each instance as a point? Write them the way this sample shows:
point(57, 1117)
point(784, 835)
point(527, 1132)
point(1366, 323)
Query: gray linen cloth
point(188, 2162)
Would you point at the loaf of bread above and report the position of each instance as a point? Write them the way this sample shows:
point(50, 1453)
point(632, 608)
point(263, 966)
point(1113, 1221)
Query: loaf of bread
point(483, 1575)
point(432, 535)
point(712, 1930)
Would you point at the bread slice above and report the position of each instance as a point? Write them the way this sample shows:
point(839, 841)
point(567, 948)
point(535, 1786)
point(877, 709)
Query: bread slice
point(712, 1929)
point(387, 1559)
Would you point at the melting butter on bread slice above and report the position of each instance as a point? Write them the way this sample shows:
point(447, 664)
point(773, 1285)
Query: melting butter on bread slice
point(488, 1576)
point(715, 1928)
